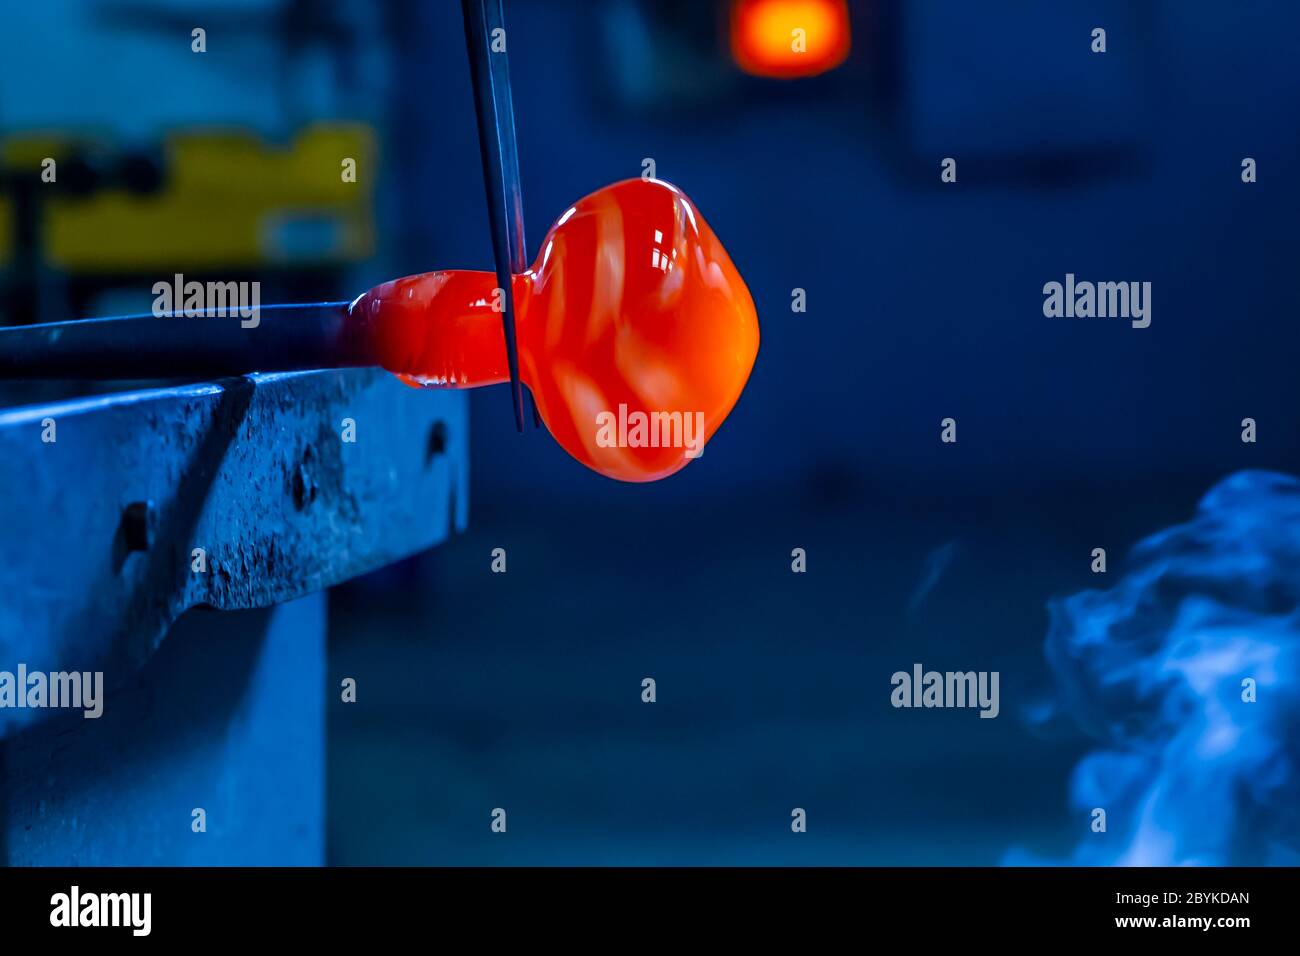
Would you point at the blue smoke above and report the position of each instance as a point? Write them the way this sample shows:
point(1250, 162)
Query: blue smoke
point(936, 563)
point(1153, 669)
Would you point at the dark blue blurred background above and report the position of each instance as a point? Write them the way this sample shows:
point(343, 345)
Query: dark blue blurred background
point(924, 300)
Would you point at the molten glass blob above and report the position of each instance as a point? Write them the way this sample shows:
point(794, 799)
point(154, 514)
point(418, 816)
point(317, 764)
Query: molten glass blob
point(789, 38)
point(636, 333)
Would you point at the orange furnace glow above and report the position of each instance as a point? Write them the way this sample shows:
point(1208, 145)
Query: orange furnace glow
point(789, 38)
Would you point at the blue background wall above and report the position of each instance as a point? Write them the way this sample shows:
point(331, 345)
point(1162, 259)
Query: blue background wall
point(924, 300)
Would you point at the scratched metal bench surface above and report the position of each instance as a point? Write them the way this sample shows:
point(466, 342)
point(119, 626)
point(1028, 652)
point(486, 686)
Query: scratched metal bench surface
point(101, 527)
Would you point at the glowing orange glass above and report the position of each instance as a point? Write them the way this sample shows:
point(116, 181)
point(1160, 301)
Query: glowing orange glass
point(632, 314)
point(789, 38)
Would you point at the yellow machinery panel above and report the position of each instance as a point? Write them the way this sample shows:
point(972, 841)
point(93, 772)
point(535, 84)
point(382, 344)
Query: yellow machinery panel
point(229, 200)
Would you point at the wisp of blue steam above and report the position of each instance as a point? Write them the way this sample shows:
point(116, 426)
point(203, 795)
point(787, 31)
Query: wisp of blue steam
point(1159, 670)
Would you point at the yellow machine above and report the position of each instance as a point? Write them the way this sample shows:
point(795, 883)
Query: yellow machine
point(229, 200)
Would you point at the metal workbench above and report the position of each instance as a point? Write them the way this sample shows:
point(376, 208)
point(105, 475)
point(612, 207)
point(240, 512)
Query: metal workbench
point(180, 540)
